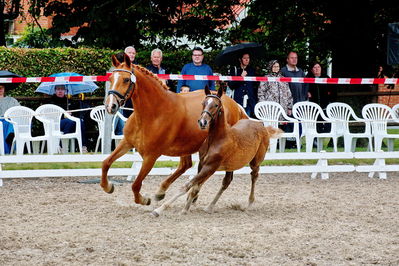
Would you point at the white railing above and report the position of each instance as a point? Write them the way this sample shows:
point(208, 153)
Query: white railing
point(322, 166)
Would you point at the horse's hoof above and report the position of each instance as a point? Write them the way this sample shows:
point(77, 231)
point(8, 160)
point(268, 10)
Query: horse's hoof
point(159, 197)
point(147, 201)
point(183, 212)
point(155, 213)
point(111, 190)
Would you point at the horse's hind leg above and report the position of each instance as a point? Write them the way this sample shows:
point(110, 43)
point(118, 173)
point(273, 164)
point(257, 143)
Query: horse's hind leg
point(185, 163)
point(120, 150)
point(225, 184)
point(255, 165)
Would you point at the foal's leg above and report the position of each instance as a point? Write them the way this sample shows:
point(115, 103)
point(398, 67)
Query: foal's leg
point(195, 196)
point(120, 150)
point(148, 163)
point(255, 164)
point(205, 173)
point(225, 184)
point(185, 163)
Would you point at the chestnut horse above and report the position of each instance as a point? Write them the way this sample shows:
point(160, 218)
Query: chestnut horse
point(226, 148)
point(163, 123)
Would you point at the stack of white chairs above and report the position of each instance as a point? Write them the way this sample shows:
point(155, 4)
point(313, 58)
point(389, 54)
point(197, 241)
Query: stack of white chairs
point(308, 113)
point(379, 115)
point(50, 115)
point(98, 115)
point(342, 114)
point(270, 113)
point(21, 119)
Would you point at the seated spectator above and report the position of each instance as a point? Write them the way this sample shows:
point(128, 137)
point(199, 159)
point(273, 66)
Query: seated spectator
point(197, 67)
point(66, 125)
point(156, 64)
point(6, 102)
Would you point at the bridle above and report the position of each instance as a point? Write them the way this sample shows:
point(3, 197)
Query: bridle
point(217, 111)
point(119, 97)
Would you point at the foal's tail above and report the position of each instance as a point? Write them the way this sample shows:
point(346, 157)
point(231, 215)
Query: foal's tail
point(273, 132)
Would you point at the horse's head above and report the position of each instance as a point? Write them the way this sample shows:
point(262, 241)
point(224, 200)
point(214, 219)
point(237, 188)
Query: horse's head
point(211, 108)
point(122, 81)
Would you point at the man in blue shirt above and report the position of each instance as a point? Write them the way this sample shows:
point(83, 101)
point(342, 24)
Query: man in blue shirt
point(196, 68)
point(299, 91)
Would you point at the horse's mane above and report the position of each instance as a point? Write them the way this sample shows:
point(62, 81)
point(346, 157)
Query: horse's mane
point(149, 73)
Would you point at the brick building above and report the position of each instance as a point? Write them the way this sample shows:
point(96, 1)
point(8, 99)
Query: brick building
point(389, 100)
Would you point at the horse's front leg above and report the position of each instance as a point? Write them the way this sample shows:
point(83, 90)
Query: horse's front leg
point(120, 150)
point(148, 163)
point(225, 184)
point(185, 163)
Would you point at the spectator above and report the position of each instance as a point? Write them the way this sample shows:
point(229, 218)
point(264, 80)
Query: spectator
point(299, 91)
point(322, 94)
point(275, 91)
point(184, 89)
point(244, 92)
point(156, 64)
point(66, 125)
point(197, 67)
point(6, 102)
point(131, 52)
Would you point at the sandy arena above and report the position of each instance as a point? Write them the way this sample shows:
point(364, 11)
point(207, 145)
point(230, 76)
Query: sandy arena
point(349, 219)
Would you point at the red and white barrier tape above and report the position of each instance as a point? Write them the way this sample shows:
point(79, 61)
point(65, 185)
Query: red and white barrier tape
point(221, 78)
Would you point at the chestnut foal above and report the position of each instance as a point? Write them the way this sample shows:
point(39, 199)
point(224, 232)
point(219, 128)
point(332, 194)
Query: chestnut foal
point(227, 148)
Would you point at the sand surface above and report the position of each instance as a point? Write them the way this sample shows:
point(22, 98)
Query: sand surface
point(349, 219)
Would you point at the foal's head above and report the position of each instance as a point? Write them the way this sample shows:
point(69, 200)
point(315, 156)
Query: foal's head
point(122, 81)
point(211, 108)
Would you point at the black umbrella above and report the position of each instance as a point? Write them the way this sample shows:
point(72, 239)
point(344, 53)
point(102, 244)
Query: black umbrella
point(8, 74)
point(230, 55)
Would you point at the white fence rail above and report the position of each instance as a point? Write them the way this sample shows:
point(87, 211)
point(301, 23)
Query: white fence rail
point(322, 166)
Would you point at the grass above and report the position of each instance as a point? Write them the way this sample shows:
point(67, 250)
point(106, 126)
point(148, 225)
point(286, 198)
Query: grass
point(86, 165)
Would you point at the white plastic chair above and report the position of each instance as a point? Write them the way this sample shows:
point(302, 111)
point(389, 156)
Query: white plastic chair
point(342, 113)
point(50, 115)
point(1, 139)
point(395, 110)
point(270, 113)
point(21, 118)
point(378, 115)
point(308, 113)
point(98, 115)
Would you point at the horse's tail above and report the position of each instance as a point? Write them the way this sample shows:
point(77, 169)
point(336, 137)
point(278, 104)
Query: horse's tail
point(273, 132)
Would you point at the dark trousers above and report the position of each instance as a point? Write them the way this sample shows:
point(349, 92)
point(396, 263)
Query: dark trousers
point(69, 126)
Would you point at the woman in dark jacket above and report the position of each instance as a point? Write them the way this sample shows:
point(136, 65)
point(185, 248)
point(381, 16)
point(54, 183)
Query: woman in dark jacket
point(245, 92)
point(322, 94)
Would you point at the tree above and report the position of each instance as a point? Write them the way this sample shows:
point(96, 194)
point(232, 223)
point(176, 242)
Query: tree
point(9, 10)
point(116, 24)
point(353, 33)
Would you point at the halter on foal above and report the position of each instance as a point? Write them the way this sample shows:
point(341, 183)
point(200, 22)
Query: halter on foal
point(226, 148)
point(163, 123)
